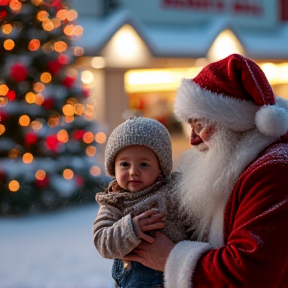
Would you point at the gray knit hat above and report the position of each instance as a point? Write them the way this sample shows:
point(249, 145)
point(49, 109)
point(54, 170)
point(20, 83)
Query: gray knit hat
point(140, 131)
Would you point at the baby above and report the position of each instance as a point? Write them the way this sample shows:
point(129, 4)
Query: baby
point(139, 155)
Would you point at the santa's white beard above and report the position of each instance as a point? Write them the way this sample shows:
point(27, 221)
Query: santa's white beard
point(209, 177)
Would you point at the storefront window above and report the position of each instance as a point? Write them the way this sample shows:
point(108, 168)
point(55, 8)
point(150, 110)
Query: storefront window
point(152, 93)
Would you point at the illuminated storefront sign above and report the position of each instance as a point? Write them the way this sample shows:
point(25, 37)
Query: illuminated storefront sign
point(247, 13)
point(235, 7)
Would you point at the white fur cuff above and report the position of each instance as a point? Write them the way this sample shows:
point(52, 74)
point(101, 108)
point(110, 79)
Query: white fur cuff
point(181, 263)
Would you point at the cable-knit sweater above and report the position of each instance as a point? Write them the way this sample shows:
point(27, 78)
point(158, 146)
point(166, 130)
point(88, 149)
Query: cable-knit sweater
point(114, 236)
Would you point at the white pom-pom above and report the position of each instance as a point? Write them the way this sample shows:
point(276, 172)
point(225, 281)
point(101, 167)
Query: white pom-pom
point(272, 120)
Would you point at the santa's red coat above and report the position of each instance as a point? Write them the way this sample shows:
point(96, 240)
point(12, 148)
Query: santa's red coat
point(255, 251)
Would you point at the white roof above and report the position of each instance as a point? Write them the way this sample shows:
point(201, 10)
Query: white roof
point(180, 40)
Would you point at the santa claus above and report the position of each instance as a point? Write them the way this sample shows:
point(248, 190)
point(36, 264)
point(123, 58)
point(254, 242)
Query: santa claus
point(234, 188)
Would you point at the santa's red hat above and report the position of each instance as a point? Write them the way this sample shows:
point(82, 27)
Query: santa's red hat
point(235, 92)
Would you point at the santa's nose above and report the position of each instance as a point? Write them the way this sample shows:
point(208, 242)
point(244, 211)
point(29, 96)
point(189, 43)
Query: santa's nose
point(195, 139)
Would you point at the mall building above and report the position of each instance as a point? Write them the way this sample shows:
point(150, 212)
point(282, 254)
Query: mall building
point(136, 52)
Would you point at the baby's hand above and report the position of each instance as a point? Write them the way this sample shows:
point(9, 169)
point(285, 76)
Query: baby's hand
point(148, 221)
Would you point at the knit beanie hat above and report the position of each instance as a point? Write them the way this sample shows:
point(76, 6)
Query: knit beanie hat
point(235, 92)
point(140, 131)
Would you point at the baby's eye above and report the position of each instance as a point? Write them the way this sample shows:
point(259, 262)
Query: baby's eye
point(144, 164)
point(124, 164)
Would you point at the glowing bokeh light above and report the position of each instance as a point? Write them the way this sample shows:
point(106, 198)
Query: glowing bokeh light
point(62, 14)
point(36, 125)
point(40, 174)
point(77, 30)
point(46, 77)
point(14, 186)
point(79, 109)
point(7, 28)
point(68, 110)
point(39, 99)
point(69, 119)
point(34, 45)
point(9, 44)
point(68, 29)
point(3, 90)
point(15, 5)
point(95, 171)
point(88, 137)
point(27, 158)
point(63, 136)
point(38, 87)
point(3, 101)
point(72, 101)
point(56, 22)
point(71, 15)
point(100, 137)
point(42, 15)
point(2, 129)
point(98, 62)
point(24, 120)
point(60, 46)
point(30, 97)
point(78, 51)
point(36, 2)
point(91, 151)
point(47, 25)
point(89, 112)
point(68, 174)
point(87, 77)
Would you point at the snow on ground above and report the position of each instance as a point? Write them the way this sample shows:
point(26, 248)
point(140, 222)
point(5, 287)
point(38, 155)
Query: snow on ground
point(53, 250)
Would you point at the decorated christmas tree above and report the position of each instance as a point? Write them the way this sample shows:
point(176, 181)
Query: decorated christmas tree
point(49, 139)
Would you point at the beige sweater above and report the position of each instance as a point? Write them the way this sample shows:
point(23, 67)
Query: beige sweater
point(114, 236)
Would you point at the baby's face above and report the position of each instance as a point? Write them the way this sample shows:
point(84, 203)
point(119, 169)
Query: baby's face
point(136, 168)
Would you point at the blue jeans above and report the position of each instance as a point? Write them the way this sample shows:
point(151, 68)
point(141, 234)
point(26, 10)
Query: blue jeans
point(139, 276)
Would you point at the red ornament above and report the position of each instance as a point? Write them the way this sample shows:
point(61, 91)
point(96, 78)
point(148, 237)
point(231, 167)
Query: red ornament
point(18, 72)
point(4, 2)
point(42, 183)
point(48, 103)
point(79, 181)
point(30, 138)
point(63, 59)
point(52, 142)
point(68, 82)
point(3, 14)
point(3, 116)
point(54, 66)
point(2, 176)
point(86, 92)
point(11, 95)
point(79, 134)
point(57, 4)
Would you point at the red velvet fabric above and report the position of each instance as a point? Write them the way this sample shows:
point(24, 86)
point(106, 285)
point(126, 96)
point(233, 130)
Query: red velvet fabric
point(255, 229)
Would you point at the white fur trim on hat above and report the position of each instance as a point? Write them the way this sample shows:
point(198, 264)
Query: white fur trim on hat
point(192, 101)
point(181, 263)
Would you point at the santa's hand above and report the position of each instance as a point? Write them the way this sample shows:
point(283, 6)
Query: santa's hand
point(153, 255)
point(148, 221)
